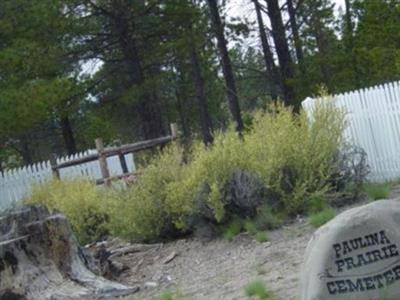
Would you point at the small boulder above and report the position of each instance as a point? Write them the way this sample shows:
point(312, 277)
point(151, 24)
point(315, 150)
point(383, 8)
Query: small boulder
point(355, 256)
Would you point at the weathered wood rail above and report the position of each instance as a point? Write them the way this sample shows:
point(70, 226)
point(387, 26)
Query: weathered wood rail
point(120, 151)
point(15, 184)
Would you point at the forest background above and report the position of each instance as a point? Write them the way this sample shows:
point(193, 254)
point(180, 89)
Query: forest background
point(75, 70)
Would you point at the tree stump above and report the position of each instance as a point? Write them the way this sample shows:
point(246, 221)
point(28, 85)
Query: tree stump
point(40, 259)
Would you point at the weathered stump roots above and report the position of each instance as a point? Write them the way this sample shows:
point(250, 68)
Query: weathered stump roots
point(40, 259)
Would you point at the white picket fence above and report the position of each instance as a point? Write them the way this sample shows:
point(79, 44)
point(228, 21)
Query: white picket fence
point(17, 183)
point(373, 116)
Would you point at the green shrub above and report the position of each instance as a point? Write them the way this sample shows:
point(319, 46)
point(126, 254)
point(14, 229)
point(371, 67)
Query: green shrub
point(243, 193)
point(237, 225)
point(166, 296)
point(293, 155)
point(348, 178)
point(316, 204)
point(82, 202)
point(257, 289)
point(171, 295)
point(213, 166)
point(322, 217)
point(232, 229)
point(377, 191)
point(262, 237)
point(148, 209)
point(250, 227)
point(267, 220)
point(140, 212)
point(282, 161)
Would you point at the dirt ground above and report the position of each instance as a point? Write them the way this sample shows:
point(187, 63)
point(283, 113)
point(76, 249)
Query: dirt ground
point(219, 269)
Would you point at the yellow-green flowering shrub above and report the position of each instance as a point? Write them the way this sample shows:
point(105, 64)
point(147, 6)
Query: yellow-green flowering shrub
point(145, 210)
point(294, 157)
point(81, 201)
point(213, 166)
point(293, 154)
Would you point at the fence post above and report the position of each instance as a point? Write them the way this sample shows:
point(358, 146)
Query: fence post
point(174, 130)
point(53, 164)
point(103, 161)
point(122, 160)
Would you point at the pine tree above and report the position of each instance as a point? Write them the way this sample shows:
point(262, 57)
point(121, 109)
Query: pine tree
point(37, 79)
point(273, 74)
point(230, 88)
point(286, 64)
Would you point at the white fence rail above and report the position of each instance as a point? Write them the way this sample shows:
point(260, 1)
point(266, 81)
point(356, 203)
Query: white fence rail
point(17, 183)
point(373, 116)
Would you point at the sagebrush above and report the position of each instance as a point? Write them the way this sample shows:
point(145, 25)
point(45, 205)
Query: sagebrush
point(282, 162)
point(85, 205)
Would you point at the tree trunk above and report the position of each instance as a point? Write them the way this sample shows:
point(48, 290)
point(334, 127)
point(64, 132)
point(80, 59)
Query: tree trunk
point(230, 86)
point(205, 119)
point(40, 259)
point(151, 121)
point(25, 152)
point(282, 50)
point(68, 135)
point(322, 52)
point(349, 44)
point(296, 37)
point(273, 74)
point(349, 23)
point(148, 109)
point(182, 117)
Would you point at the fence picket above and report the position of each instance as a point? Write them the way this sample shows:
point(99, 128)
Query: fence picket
point(373, 116)
point(15, 184)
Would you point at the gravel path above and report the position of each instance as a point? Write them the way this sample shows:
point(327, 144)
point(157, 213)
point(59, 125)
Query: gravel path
point(220, 269)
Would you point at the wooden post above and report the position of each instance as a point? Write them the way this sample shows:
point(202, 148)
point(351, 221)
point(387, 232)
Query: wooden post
point(122, 160)
point(174, 130)
point(124, 166)
point(103, 161)
point(53, 164)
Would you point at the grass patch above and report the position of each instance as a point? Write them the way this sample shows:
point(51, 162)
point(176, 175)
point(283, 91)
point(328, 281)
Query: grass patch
point(250, 227)
point(319, 219)
point(238, 225)
point(232, 229)
point(167, 295)
point(316, 203)
point(170, 295)
point(376, 191)
point(261, 237)
point(267, 220)
point(257, 289)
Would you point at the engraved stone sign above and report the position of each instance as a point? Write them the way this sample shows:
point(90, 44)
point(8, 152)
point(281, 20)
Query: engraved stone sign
point(355, 256)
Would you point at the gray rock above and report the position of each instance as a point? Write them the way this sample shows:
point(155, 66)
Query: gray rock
point(150, 284)
point(355, 256)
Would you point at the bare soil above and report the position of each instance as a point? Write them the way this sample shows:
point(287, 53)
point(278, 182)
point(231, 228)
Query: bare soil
point(219, 269)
